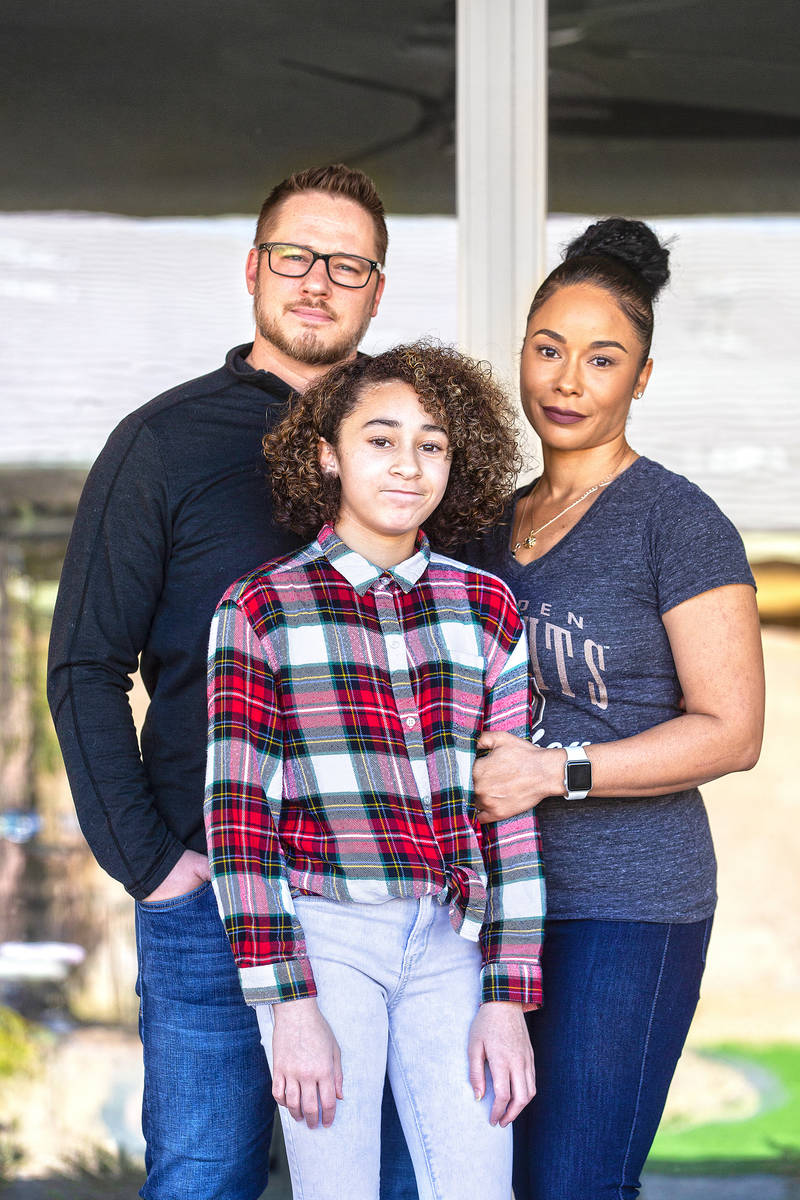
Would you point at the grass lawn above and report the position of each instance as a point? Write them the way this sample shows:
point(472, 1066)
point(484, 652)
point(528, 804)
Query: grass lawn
point(768, 1141)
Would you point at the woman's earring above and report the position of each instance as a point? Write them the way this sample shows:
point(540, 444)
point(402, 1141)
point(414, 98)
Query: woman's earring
point(638, 395)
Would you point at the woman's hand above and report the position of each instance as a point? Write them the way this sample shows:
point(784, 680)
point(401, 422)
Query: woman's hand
point(499, 1037)
point(514, 776)
point(307, 1064)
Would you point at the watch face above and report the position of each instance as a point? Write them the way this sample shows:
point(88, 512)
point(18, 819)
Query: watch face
point(579, 777)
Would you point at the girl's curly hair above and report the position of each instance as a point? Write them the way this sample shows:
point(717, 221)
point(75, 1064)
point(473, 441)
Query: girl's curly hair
point(459, 392)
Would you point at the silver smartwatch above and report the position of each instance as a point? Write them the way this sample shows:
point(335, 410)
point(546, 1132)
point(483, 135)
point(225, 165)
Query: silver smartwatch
point(577, 774)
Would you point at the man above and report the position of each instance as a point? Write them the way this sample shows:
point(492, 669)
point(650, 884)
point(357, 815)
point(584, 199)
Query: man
point(175, 508)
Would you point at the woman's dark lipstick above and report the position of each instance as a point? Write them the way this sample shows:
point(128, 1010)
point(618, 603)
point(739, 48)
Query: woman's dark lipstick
point(562, 416)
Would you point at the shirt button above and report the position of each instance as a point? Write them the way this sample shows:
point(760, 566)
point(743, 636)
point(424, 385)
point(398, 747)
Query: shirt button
point(411, 722)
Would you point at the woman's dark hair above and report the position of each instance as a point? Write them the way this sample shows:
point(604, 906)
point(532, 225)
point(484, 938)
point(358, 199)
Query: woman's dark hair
point(459, 392)
point(626, 258)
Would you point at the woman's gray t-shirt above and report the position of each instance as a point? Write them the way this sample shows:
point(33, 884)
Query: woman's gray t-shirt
point(593, 606)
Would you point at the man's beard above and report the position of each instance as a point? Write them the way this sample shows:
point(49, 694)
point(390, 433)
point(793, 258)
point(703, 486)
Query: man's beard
point(308, 347)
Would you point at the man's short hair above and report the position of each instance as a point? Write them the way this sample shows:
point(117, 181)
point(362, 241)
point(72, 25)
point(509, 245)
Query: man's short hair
point(337, 180)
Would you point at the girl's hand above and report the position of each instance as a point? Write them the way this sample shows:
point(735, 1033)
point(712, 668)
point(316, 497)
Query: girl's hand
point(307, 1064)
point(499, 1037)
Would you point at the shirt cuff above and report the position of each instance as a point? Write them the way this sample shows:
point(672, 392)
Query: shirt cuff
point(519, 983)
point(272, 983)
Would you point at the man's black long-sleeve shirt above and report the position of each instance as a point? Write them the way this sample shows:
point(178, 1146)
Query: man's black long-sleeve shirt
point(175, 509)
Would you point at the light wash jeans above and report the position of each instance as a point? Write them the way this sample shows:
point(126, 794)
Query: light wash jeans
point(399, 989)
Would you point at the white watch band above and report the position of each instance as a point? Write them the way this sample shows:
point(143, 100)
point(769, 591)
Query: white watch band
point(576, 754)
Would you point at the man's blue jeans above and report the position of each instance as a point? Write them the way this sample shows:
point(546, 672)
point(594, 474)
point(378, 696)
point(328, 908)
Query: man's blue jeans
point(619, 997)
point(208, 1109)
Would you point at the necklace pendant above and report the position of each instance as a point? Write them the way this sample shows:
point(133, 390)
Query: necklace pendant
point(530, 541)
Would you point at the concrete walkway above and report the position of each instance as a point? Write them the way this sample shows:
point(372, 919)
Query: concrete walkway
point(743, 1187)
point(656, 1187)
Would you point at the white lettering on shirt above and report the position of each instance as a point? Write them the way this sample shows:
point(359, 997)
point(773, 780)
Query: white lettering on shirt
point(560, 640)
point(597, 694)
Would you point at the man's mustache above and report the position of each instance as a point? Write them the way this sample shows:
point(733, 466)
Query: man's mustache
point(321, 306)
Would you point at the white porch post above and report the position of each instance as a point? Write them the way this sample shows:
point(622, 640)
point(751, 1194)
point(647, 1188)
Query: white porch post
point(501, 142)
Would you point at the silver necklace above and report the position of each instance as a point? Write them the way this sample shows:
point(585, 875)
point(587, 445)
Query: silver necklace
point(530, 541)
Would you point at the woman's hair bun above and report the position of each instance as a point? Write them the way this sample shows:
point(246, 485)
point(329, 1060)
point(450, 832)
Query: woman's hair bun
point(632, 242)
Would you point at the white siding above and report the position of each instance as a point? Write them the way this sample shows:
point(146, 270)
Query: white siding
point(99, 313)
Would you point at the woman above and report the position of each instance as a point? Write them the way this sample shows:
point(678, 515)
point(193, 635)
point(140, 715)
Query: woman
point(348, 683)
point(644, 637)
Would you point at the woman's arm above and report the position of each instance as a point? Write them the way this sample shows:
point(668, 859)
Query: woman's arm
point(716, 644)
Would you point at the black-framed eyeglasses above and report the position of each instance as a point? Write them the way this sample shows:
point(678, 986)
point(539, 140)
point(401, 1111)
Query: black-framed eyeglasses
point(348, 270)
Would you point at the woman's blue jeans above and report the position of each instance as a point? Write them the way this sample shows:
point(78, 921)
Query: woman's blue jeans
point(208, 1109)
point(619, 997)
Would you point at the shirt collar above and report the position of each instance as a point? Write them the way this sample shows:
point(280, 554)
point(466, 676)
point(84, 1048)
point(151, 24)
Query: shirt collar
point(237, 364)
point(361, 574)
